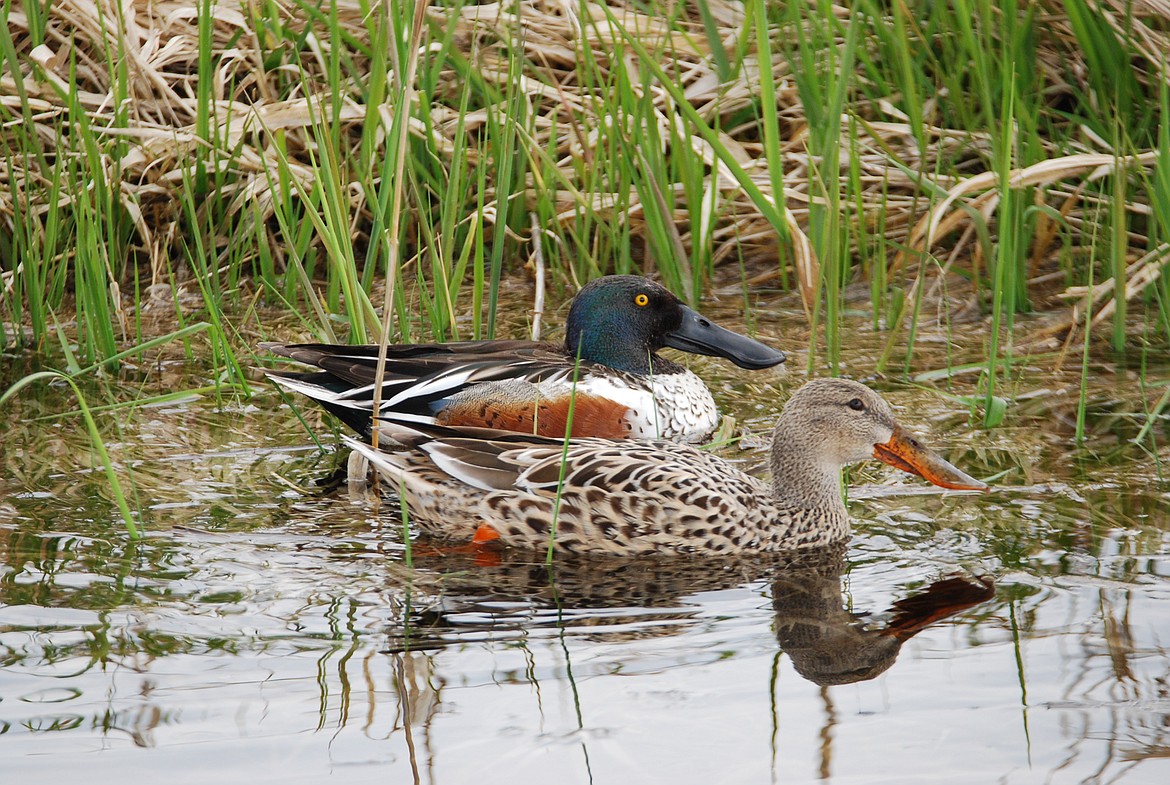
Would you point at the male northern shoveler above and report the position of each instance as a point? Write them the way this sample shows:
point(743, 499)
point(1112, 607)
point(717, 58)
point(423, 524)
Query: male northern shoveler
point(638, 497)
point(624, 389)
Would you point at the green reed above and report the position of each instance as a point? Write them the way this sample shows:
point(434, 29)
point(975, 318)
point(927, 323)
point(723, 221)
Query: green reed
point(1087, 328)
point(1159, 187)
point(1151, 414)
point(701, 127)
point(769, 122)
point(405, 62)
point(630, 161)
point(563, 465)
point(819, 67)
point(452, 236)
point(207, 277)
point(510, 168)
point(620, 183)
point(1005, 261)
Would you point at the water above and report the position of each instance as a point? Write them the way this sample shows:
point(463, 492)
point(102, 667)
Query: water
point(268, 628)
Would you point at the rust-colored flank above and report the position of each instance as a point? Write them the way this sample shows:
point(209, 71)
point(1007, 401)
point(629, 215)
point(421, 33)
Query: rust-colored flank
point(592, 416)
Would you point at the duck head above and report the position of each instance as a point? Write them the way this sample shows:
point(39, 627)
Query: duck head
point(831, 423)
point(622, 320)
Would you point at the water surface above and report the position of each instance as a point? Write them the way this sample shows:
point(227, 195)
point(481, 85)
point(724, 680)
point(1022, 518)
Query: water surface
point(269, 627)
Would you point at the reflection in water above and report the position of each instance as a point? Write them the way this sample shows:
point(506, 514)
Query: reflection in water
point(141, 642)
point(418, 702)
point(827, 643)
point(264, 627)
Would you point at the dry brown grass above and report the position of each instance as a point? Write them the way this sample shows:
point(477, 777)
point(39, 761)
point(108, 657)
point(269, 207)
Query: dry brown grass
point(267, 98)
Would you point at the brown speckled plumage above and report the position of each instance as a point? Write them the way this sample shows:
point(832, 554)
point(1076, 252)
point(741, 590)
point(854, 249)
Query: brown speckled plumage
point(625, 497)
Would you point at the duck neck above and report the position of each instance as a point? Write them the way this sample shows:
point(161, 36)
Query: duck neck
point(608, 345)
point(801, 479)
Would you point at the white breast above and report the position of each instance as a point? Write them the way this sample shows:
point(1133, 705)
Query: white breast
point(675, 406)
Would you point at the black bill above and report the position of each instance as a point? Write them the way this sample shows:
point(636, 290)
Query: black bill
point(699, 335)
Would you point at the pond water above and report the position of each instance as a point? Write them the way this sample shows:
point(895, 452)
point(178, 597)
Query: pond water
point(270, 628)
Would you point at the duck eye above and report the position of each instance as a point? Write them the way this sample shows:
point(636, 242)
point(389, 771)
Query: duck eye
point(641, 300)
point(856, 405)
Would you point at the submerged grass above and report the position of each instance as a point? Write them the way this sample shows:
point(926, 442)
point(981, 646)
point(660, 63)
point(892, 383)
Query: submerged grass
point(95, 439)
point(315, 156)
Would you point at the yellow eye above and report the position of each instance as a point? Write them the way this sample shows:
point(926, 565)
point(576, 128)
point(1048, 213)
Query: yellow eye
point(641, 299)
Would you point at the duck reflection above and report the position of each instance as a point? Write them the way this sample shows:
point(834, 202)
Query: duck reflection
point(827, 642)
point(502, 595)
point(830, 645)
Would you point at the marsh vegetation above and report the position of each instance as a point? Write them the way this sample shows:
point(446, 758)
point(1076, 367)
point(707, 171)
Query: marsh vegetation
point(966, 204)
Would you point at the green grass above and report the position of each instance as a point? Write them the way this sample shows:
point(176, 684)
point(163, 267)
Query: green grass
point(95, 439)
point(378, 174)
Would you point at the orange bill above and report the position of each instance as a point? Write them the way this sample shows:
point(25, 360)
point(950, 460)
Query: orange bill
point(905, 452)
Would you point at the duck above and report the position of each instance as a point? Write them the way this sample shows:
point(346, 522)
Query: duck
point(605, 496)
point(622, 387)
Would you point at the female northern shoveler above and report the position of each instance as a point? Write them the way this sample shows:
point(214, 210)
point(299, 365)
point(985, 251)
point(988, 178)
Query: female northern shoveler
point(638, 497)
point(624, 389)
